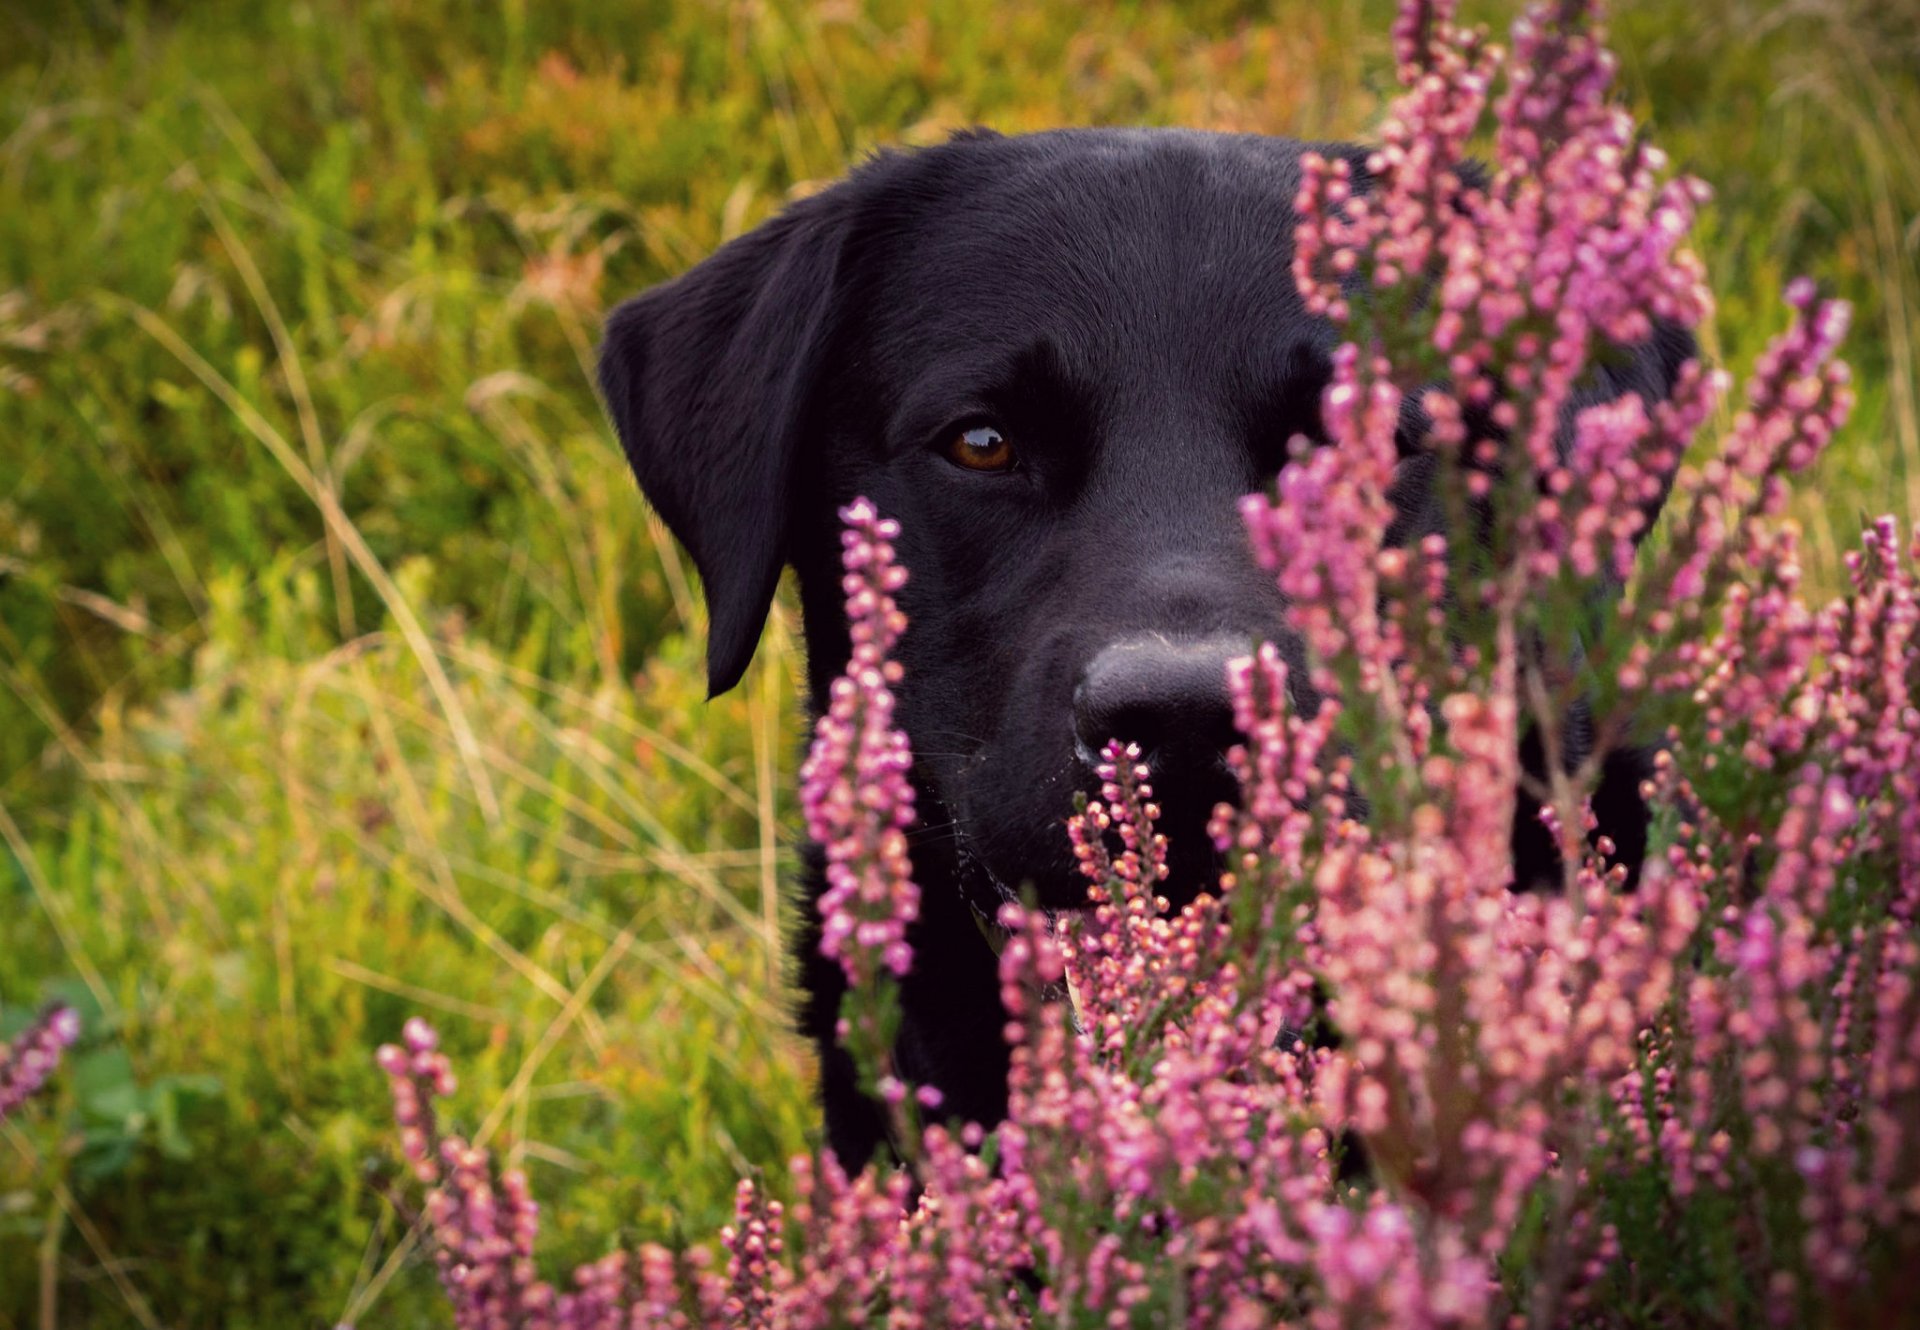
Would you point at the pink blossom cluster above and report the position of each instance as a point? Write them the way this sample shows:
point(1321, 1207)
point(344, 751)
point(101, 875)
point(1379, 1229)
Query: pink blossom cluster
point(483, 1222)
point(853, 785)
point(1365, 1079)
point(1174, 1149)
point(1790, 1064)
point(29, 1060)
point(858, 800)
point(855, 780)
point(1569, 244)
point(1798, 397)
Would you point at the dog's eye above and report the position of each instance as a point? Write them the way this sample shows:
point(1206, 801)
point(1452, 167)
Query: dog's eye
point(982, 448)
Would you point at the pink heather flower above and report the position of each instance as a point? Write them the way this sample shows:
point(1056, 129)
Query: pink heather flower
point(753, 1246)
point(1110, 952)
point(1802, 1004)
point(28, 1061)
point(853, 785)
point(484, 1224)
point(1573, 241)
point(1798, 397)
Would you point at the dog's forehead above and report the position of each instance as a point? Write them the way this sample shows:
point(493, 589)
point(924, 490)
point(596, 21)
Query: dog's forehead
point(1105, 242)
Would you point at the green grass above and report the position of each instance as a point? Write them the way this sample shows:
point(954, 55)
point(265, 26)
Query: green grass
point(343, 674)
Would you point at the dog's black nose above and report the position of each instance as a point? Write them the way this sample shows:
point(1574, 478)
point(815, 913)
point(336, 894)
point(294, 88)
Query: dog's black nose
point(1168, 696)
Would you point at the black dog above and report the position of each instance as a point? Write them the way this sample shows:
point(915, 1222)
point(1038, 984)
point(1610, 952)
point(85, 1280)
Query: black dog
point(1059, 359)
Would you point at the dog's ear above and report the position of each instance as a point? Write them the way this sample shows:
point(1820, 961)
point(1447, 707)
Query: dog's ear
point(708, 378)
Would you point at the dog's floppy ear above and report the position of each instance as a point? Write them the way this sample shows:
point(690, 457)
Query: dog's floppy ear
point(708, 379)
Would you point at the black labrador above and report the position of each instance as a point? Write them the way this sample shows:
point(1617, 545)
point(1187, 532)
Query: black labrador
point(1058, 359)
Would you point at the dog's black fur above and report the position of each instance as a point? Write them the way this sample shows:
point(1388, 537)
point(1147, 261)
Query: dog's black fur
point(1118, 304)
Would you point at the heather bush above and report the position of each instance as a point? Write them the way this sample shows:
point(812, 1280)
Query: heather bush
point(1364, 1080)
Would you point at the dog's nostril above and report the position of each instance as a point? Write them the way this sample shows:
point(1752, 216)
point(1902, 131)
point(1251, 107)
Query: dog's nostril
point(1169, 697)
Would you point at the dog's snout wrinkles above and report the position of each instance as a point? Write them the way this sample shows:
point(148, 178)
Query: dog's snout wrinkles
point(1167, 696)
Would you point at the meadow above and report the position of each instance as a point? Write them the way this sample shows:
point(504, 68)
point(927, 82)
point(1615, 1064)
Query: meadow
point(346, 676)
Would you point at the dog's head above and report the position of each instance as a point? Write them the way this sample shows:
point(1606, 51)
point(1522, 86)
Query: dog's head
point(1059, 360)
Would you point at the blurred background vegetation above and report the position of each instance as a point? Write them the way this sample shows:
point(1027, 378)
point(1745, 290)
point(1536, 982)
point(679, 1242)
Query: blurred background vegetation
point(343, 674)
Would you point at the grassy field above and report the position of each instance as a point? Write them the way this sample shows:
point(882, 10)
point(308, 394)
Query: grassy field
point(343, 674)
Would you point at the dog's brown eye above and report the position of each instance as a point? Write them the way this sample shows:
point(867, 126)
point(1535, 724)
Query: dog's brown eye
point(982, 448)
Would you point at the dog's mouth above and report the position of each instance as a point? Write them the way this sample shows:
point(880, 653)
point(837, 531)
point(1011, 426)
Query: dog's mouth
point(984, 889)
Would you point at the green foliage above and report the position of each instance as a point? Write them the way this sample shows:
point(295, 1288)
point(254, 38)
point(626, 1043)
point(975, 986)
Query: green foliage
point(342, 673)
point(269, 870)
